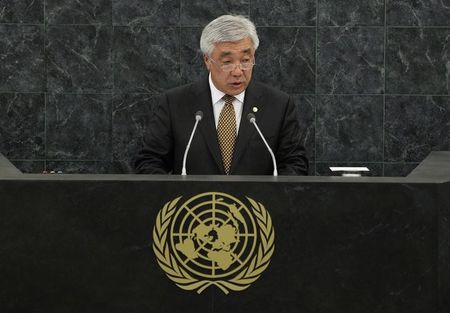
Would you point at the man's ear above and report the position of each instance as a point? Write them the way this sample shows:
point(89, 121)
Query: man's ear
point(207, 63)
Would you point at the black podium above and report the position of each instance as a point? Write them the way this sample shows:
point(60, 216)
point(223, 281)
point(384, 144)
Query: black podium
point(86, 243)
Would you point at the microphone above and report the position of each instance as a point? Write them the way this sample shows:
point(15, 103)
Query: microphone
point(198, 118)
point(252, 119)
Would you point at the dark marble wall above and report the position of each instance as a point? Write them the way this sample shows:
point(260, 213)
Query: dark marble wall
point(79, 79)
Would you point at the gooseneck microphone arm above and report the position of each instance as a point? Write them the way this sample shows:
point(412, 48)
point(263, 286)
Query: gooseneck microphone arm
point(252, 119)
point(198, 118)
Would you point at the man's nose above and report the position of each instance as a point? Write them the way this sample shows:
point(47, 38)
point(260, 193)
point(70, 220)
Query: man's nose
point(237, 71)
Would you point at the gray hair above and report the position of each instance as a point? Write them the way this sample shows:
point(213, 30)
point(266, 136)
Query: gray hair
point(227, 28)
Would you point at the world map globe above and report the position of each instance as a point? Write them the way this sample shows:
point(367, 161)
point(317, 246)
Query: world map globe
point(213, 235)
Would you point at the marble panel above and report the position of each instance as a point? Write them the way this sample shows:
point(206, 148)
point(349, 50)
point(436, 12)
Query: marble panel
point(79, 127)
point(283, 13)
point(22, 66)
point(79, 12)
point(418, 61)
point(416, 125)
point(146, 12)
point(155, 46)
point(418, 12)
point(79, 59)
point(306, 106)
point(78, 167)
point(131, 115)
point(312, 169)
point(22, 11)
point(22, 125)
point(28, 166)
point(350, 60)
point(349, 128)
point(192, 66)
point(121, 167)
point(200, 12)
point(285, 58)
point(146, 59)
point(401, 169)
point(351, 12)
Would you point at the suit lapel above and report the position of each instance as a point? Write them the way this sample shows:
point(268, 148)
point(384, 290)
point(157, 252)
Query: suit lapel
point(246, 130)
point(207, 127)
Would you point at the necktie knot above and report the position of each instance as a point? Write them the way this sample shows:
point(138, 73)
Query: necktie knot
point(228, 99)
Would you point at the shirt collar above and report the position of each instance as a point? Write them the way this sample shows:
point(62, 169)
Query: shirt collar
point(217, 95)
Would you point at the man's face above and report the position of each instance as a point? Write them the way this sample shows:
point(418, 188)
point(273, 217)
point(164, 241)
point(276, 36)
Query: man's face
point(237, 80)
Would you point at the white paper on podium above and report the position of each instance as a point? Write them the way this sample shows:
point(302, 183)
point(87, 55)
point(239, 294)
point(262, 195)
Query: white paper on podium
point(349, 169)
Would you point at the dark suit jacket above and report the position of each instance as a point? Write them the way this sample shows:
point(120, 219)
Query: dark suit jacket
point(168, 134)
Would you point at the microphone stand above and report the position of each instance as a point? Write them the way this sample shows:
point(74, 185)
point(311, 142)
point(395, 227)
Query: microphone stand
point(198, 118)
point(252, 119)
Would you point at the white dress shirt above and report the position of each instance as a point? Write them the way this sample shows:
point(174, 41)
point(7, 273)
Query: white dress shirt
point(218, 103)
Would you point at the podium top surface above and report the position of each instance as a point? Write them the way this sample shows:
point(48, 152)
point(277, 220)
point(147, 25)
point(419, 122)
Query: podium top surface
point(434, 169)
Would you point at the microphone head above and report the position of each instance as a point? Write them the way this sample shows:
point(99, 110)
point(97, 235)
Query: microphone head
point(251, 117)
point(198, 115)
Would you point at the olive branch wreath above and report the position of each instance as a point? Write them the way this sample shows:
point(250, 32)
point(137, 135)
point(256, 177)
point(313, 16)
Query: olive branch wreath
point(184, 280)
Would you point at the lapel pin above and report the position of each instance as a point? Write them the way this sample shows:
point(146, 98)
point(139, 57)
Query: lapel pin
point(255, 109)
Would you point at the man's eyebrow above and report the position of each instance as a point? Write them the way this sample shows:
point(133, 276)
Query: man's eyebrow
point(225, 53)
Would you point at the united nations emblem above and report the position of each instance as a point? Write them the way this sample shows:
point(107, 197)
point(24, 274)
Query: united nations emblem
point(213, 239)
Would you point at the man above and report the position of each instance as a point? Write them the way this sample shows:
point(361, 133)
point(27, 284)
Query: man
point(225, 141)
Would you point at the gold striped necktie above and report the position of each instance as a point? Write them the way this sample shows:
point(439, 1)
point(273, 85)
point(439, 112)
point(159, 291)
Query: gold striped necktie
point(226, 132)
